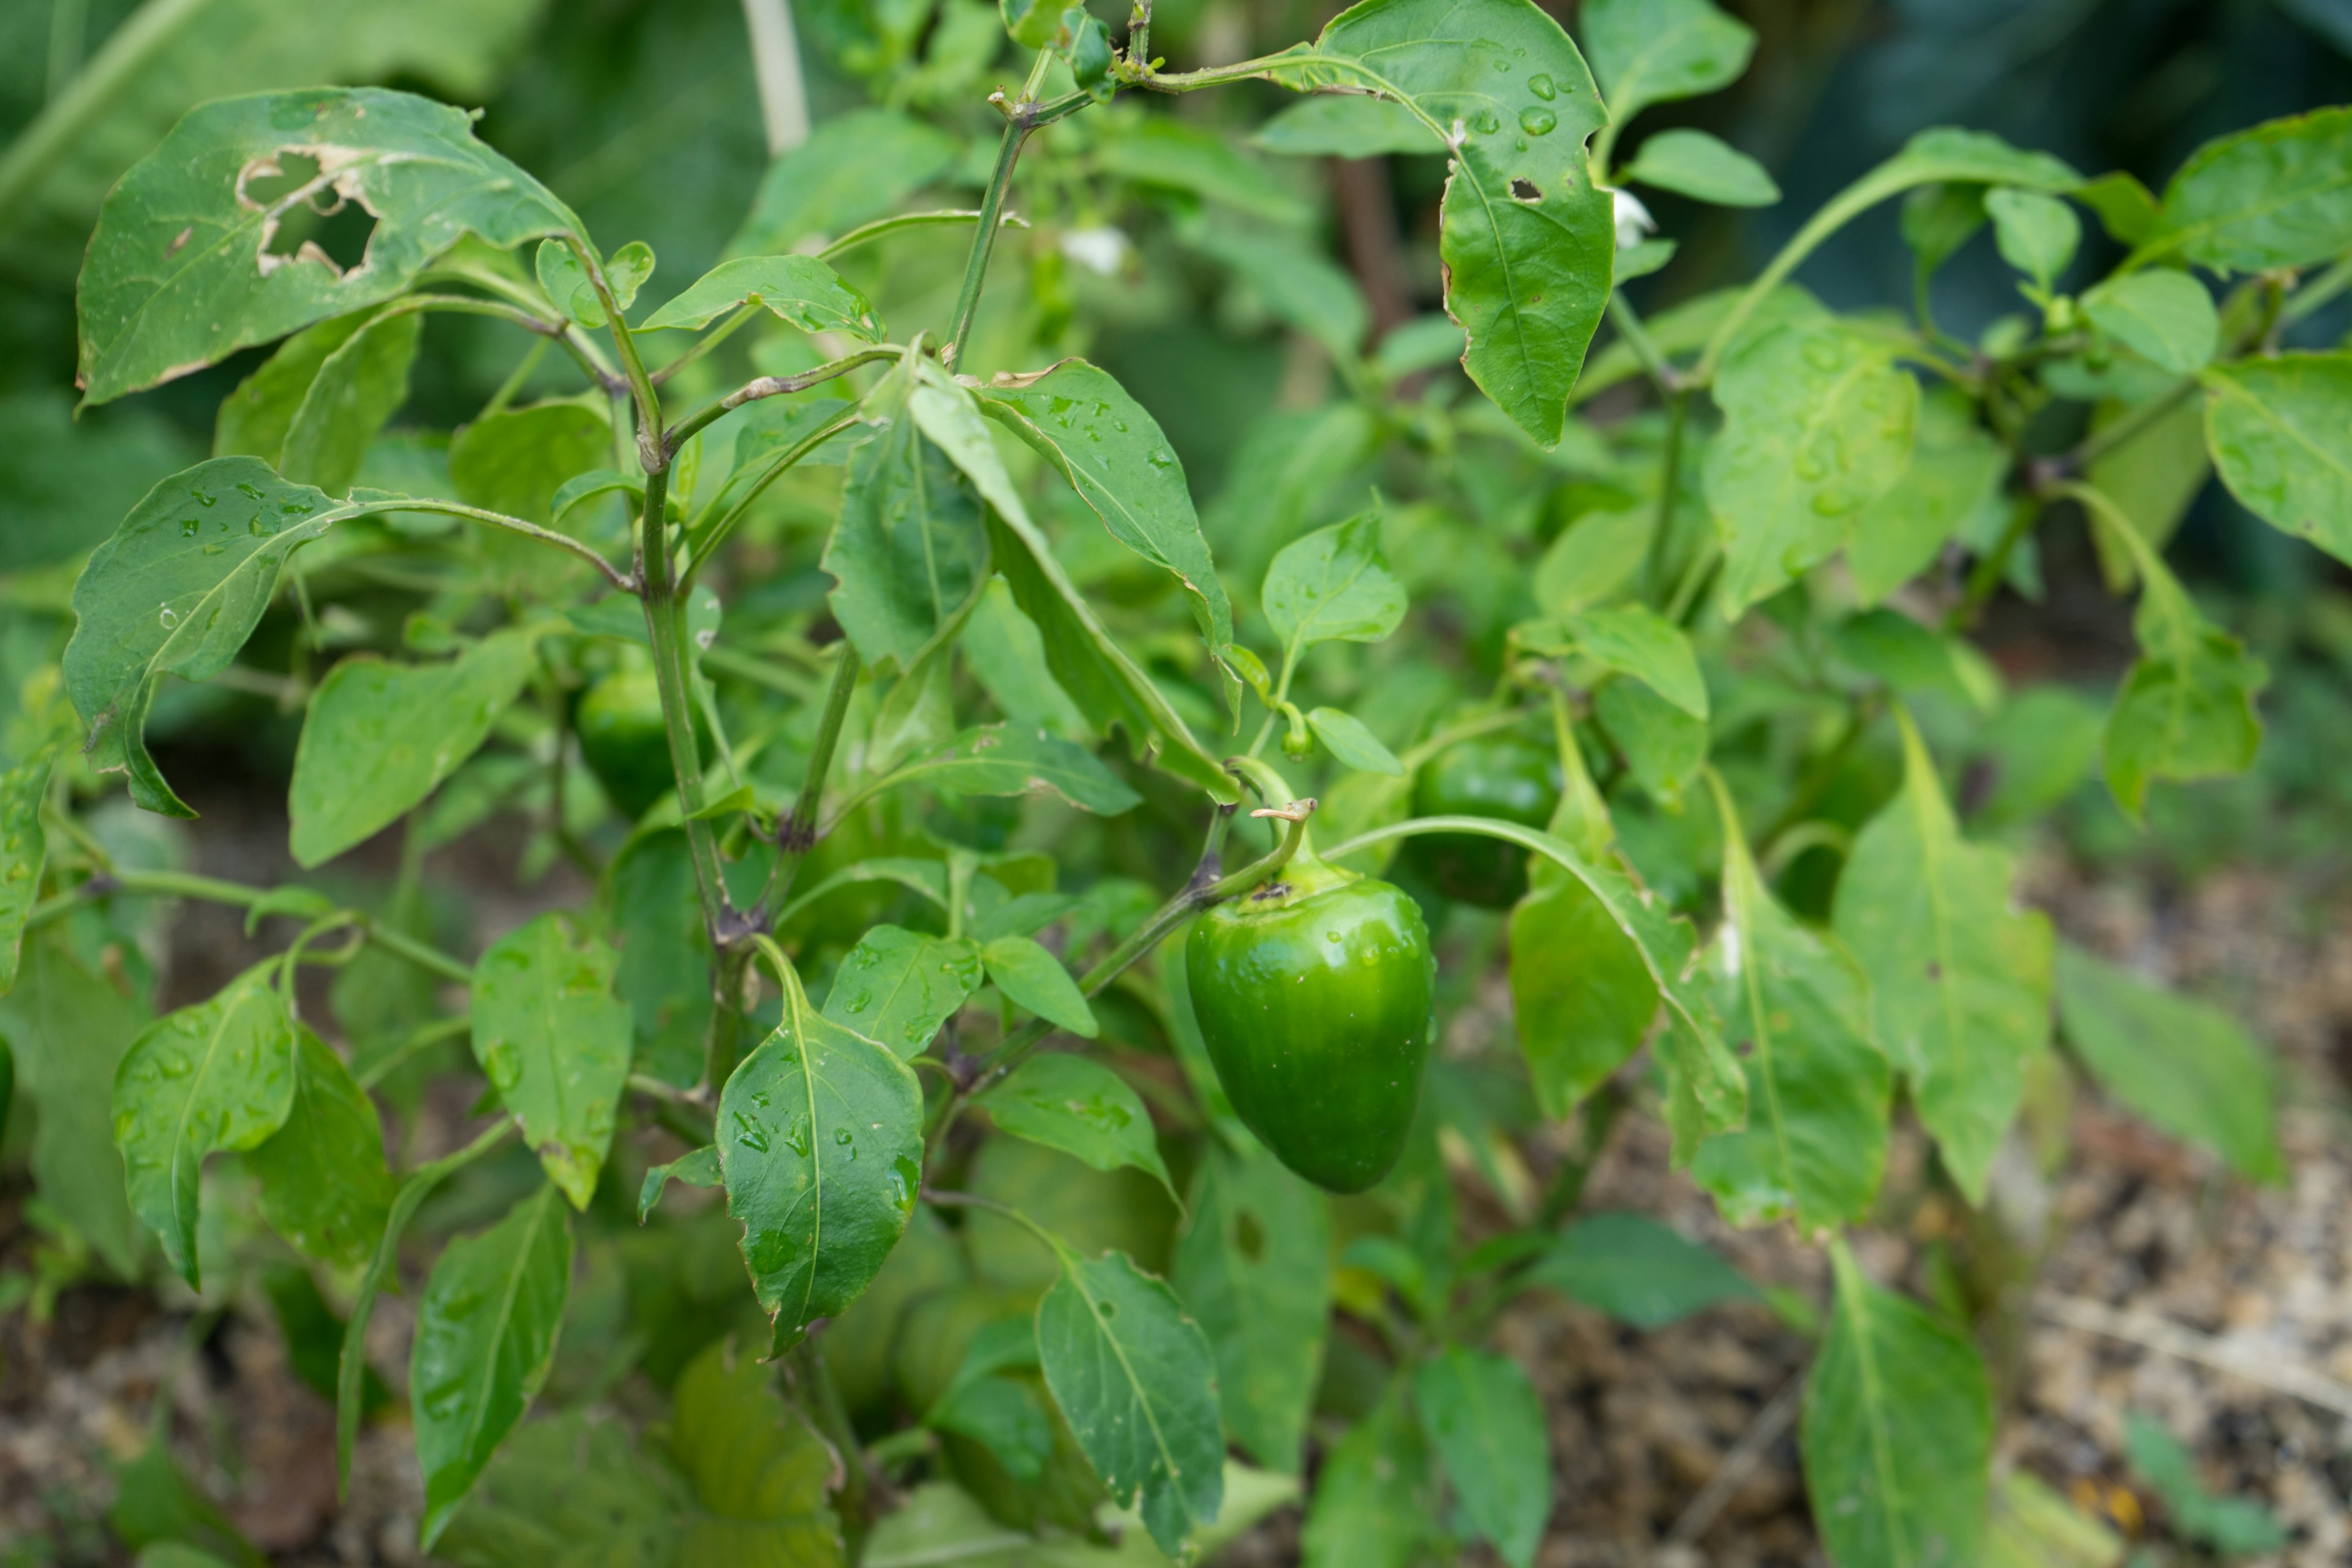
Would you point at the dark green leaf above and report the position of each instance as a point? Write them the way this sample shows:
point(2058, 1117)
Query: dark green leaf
point(798, 289)
point(1653, 51)
point(1334, 585)
point(1375, 1502)
point(757, 1473)
point(515, 460)
point(1960, 977)
point(697, 1168)
point(484, 1338)
point(24, 847)
point(2189, 1068)
point(1177, 155)
point(820, 1133)
point(1293, 283)
point(2272, 196)
point(568, 1491)
point(1897, 1431)
point(182, 271)
point(1695, 164)
point(156, 1509)
point(898, 986)
point(1034, 978)
point(1892, 647)
point(68, 1028)
point(1636, 640)
point(1078, 1106)
point(324, 1186)
point(2232, 1526)
point(1637, 1270)
point(1487, 1425)
point(907, 550)
point(1136, 1380)
point(997, 759)
point(554, 1041)
point(2165, 318)
point(853, 167)
point(217, 1076)
point(664, 973)
point(1355, 746)
point(1002, 648)
point(381, 737)
point(359, 386)
point(2280, 433)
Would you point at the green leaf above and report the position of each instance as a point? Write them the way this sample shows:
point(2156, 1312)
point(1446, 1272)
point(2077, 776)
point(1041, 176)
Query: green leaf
point(1663, 745)
point(1582, 995)
point(1334, 585)
point(1345, 126)
point(664, 972)
point(1695, 164)
point(1960, 977)
point(2188, 1068)
point(998, 759)
point(2280, 433)
point(1135, 1380)
point(566, 1490)
point(1295, 283)
point(907, 549)
point(567, 282)
point(2125, 209)
point(381, 737)
point(1254, 1270)
point(1177, 155)
point(1892, 647)
point(1002, 648)
point(1637, 1270)
point(1636, 640)
point(1817, 423)
point(1818, 1089)
point(820, 1135)
point(2166, 317)
point(1896, 1432)
point(1079, 418)
point(1524, 238)
point(514, 462)
point(485, 1339)
point(157, 1507)
point(696, 1168)
point(1354, 745)
point(359, 386)
point(1034, 978)
point(1375, 1499)
point(1594, 556)
point(1487, 1427)
point(898, 986)
point(853, 167)
point(182, 271)
point(2153, 478)
point(1654, 51)
point(2036, 234)
point(799, 290)
point(2272, 196)
point(757, 1472)
point(24, 847)
point(1079, 1106)
point(554, 1041)
point(2232, 1526)
point(68, 1027)
point(1956, 472)
point(217, 1076)
point(324, 1186)
point(176, 591)
point(2031, 1526)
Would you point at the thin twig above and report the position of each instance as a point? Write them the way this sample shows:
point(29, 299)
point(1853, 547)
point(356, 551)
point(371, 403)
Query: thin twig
point(2149, 1332)
point(1738, 1461)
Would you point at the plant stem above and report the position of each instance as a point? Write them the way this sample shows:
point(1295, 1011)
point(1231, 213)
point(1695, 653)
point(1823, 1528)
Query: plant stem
point(771, 386)
point(650, 452)
point(1629, 326)
point(1653, 569)
point(659, 592)
point(1020, 119)
point(2134, 421)
point(708, 538)
point(1985, 576)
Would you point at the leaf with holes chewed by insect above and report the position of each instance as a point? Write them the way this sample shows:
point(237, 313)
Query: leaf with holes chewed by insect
point(486, 1332)
point(898, 986)
point(1526, 240)
point(1082, 1107)
point(554, 1041)
point(820, 1139)
point(1817, 423)
point(183, 269)
point(176, 591)
point(1896, 1432)
point(381, 737)
point(215, 1077)
point(1960, 977)
point(799, 290)
point(1135, 1380)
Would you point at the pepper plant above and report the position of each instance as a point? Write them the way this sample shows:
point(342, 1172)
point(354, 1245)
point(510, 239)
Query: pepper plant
point(951, 911)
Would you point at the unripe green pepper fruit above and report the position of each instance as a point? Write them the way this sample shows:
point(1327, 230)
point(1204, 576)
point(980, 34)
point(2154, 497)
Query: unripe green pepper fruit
point(1313, 996)
point(1507, 776)
point(622, 740)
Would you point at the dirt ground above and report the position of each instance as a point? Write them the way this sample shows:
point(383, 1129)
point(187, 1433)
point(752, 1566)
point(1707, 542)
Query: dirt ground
point(1674, 1449)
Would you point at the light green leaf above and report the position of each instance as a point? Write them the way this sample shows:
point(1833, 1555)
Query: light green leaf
point(2280, 433)
point(1524, 238)
point(2189, 1068)
point(1695, 164)
point(2232, 1526)
point(1375, 1499)
point(68, 1028)
point(515, 460)
point(1254, 1269)
point(1136, 1380)
point(820, 1133)
point(997, 759)
point(1002, 648)
point(24, 847)
point(799, 290)
point(1345, 126)
point(568, 284)
point(1293, 283)
point(853, 167)
point(1891, 646)
point(183, 270)
point(359, 386)
point(2272, 196)
point(1079, 418)
point(1960, 977)
point(485, 1339)
point(1956, 472)
point(907, 549)
point(324, 1186)
point(1594, 556)
point(176, 591)
point(554, 1041)
point(2124, 206)
point(1818, 1089)
point(2166, 317)
point(253, 420)
point(566, 1490)
point(1487, 1427)
point(1817, 423)
point(1034, 978)
point(1354, 745)
point(2031, 1526)
point(898, 986)
point(1177, 155)
point(757, 1473)
point(2153, 478)
point(1653, 51)
point(381, 737)
point(217, 1076)
point(1637, 1270)
point(1334, 585)
point(1896, 1432)
point(1079, 1106)
point(696, 1168)
point(1636, 640)
point(1663, 745)
point(1581, 996)
point(2036, 234)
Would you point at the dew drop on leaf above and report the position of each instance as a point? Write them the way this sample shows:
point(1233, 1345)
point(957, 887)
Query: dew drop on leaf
point(1540, 85)
point(1538, 121)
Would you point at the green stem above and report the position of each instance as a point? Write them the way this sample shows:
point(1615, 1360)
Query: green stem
point(1628, 322)
point(2318, 293)
point(650, 452)
point(2134, 421)
point(1653, 569)
point(983, 242)
point(708, 538)
point(1985, 576)
point(515, 525)
point(771, 386)
point(659, 592)
point(867, 233)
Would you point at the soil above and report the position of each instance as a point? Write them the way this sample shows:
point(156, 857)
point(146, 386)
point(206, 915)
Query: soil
point(1640, 1423)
